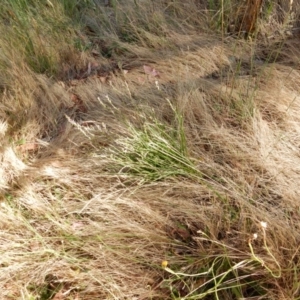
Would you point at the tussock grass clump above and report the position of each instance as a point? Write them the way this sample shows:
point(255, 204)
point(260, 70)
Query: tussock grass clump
point(155, 152)
point(32, 32)
point(109, 189)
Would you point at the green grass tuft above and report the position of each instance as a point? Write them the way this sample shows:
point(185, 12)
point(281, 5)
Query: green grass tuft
point(155, 152)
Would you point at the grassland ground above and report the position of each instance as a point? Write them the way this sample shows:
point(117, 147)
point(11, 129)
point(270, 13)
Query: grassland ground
point(145, 154)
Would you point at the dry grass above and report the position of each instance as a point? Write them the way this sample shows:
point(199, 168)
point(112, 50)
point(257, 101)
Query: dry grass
point(142, 155)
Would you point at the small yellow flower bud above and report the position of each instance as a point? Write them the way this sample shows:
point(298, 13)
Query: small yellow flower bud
point(164, 264)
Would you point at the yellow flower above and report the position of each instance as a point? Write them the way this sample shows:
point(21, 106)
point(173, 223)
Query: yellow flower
point(164, 264)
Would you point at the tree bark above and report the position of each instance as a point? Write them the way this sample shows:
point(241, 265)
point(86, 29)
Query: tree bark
point(250, 16)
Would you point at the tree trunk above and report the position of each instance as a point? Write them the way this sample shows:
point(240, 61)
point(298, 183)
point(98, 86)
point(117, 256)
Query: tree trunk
point(250, 16)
